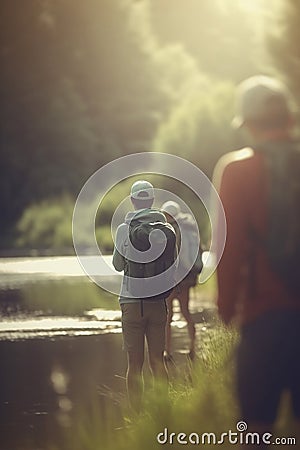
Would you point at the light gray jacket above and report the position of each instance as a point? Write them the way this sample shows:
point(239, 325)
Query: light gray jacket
point(122, 246)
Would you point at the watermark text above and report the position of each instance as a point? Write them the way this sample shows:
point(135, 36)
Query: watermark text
point(240, 436)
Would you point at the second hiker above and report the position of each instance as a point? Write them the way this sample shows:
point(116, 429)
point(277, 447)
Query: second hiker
point(187, 224)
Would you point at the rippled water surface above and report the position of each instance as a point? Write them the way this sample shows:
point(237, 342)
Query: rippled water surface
point(60, 346)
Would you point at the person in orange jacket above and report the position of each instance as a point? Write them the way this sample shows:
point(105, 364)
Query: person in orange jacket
point(251, 292)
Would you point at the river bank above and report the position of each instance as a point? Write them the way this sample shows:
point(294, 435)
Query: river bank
point(61, 345)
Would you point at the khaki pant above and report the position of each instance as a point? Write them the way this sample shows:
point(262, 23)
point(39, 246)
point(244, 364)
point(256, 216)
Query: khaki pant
point(144, 319)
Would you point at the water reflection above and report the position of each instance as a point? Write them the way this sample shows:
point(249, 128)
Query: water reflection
point(60, 348)
point(47, 327)
point(62, 266)
point(45, 380)
point(60, 343)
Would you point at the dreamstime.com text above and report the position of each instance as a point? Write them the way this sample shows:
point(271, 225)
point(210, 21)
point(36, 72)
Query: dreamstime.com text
point(239, 437)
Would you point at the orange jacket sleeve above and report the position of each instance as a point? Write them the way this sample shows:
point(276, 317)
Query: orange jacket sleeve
point(231, 180)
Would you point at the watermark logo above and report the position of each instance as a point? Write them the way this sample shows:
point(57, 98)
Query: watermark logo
point(241, 426)
point(103, 180)
point(240, 436)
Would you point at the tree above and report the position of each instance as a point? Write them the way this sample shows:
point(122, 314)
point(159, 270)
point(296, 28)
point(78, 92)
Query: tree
point(43, 123)
point(198, 129)
point(78, 88)
point(223, 36)
point(283, 43)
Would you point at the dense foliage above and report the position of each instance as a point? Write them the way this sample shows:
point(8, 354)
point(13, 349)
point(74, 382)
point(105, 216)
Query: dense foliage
point(83, 83)
point(77, 90)
point(283, 43)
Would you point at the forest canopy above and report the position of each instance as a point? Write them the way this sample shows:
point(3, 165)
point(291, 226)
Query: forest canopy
point(83, 83)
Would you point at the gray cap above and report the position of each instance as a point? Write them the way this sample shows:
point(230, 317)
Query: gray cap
point(142, 190)
point(171, 208)
point(260, 97)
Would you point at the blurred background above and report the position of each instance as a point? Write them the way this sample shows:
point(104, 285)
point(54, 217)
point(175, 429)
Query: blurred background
point(83, 83)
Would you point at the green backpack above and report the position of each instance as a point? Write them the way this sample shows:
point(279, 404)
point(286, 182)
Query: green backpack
point(283, 241)
point(161, 238)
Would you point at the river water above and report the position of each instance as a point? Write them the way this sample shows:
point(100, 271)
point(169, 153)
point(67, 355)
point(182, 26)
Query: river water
point(60, 347)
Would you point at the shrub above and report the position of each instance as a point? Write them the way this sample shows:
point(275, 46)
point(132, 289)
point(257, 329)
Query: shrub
point(198, 129)
point(46, 225)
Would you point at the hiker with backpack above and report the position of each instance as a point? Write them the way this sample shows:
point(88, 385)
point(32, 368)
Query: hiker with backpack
point(185, 223)
point(259, 275)
point(145, 249)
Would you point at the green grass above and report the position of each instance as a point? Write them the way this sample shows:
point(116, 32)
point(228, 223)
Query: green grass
point(201, 400)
